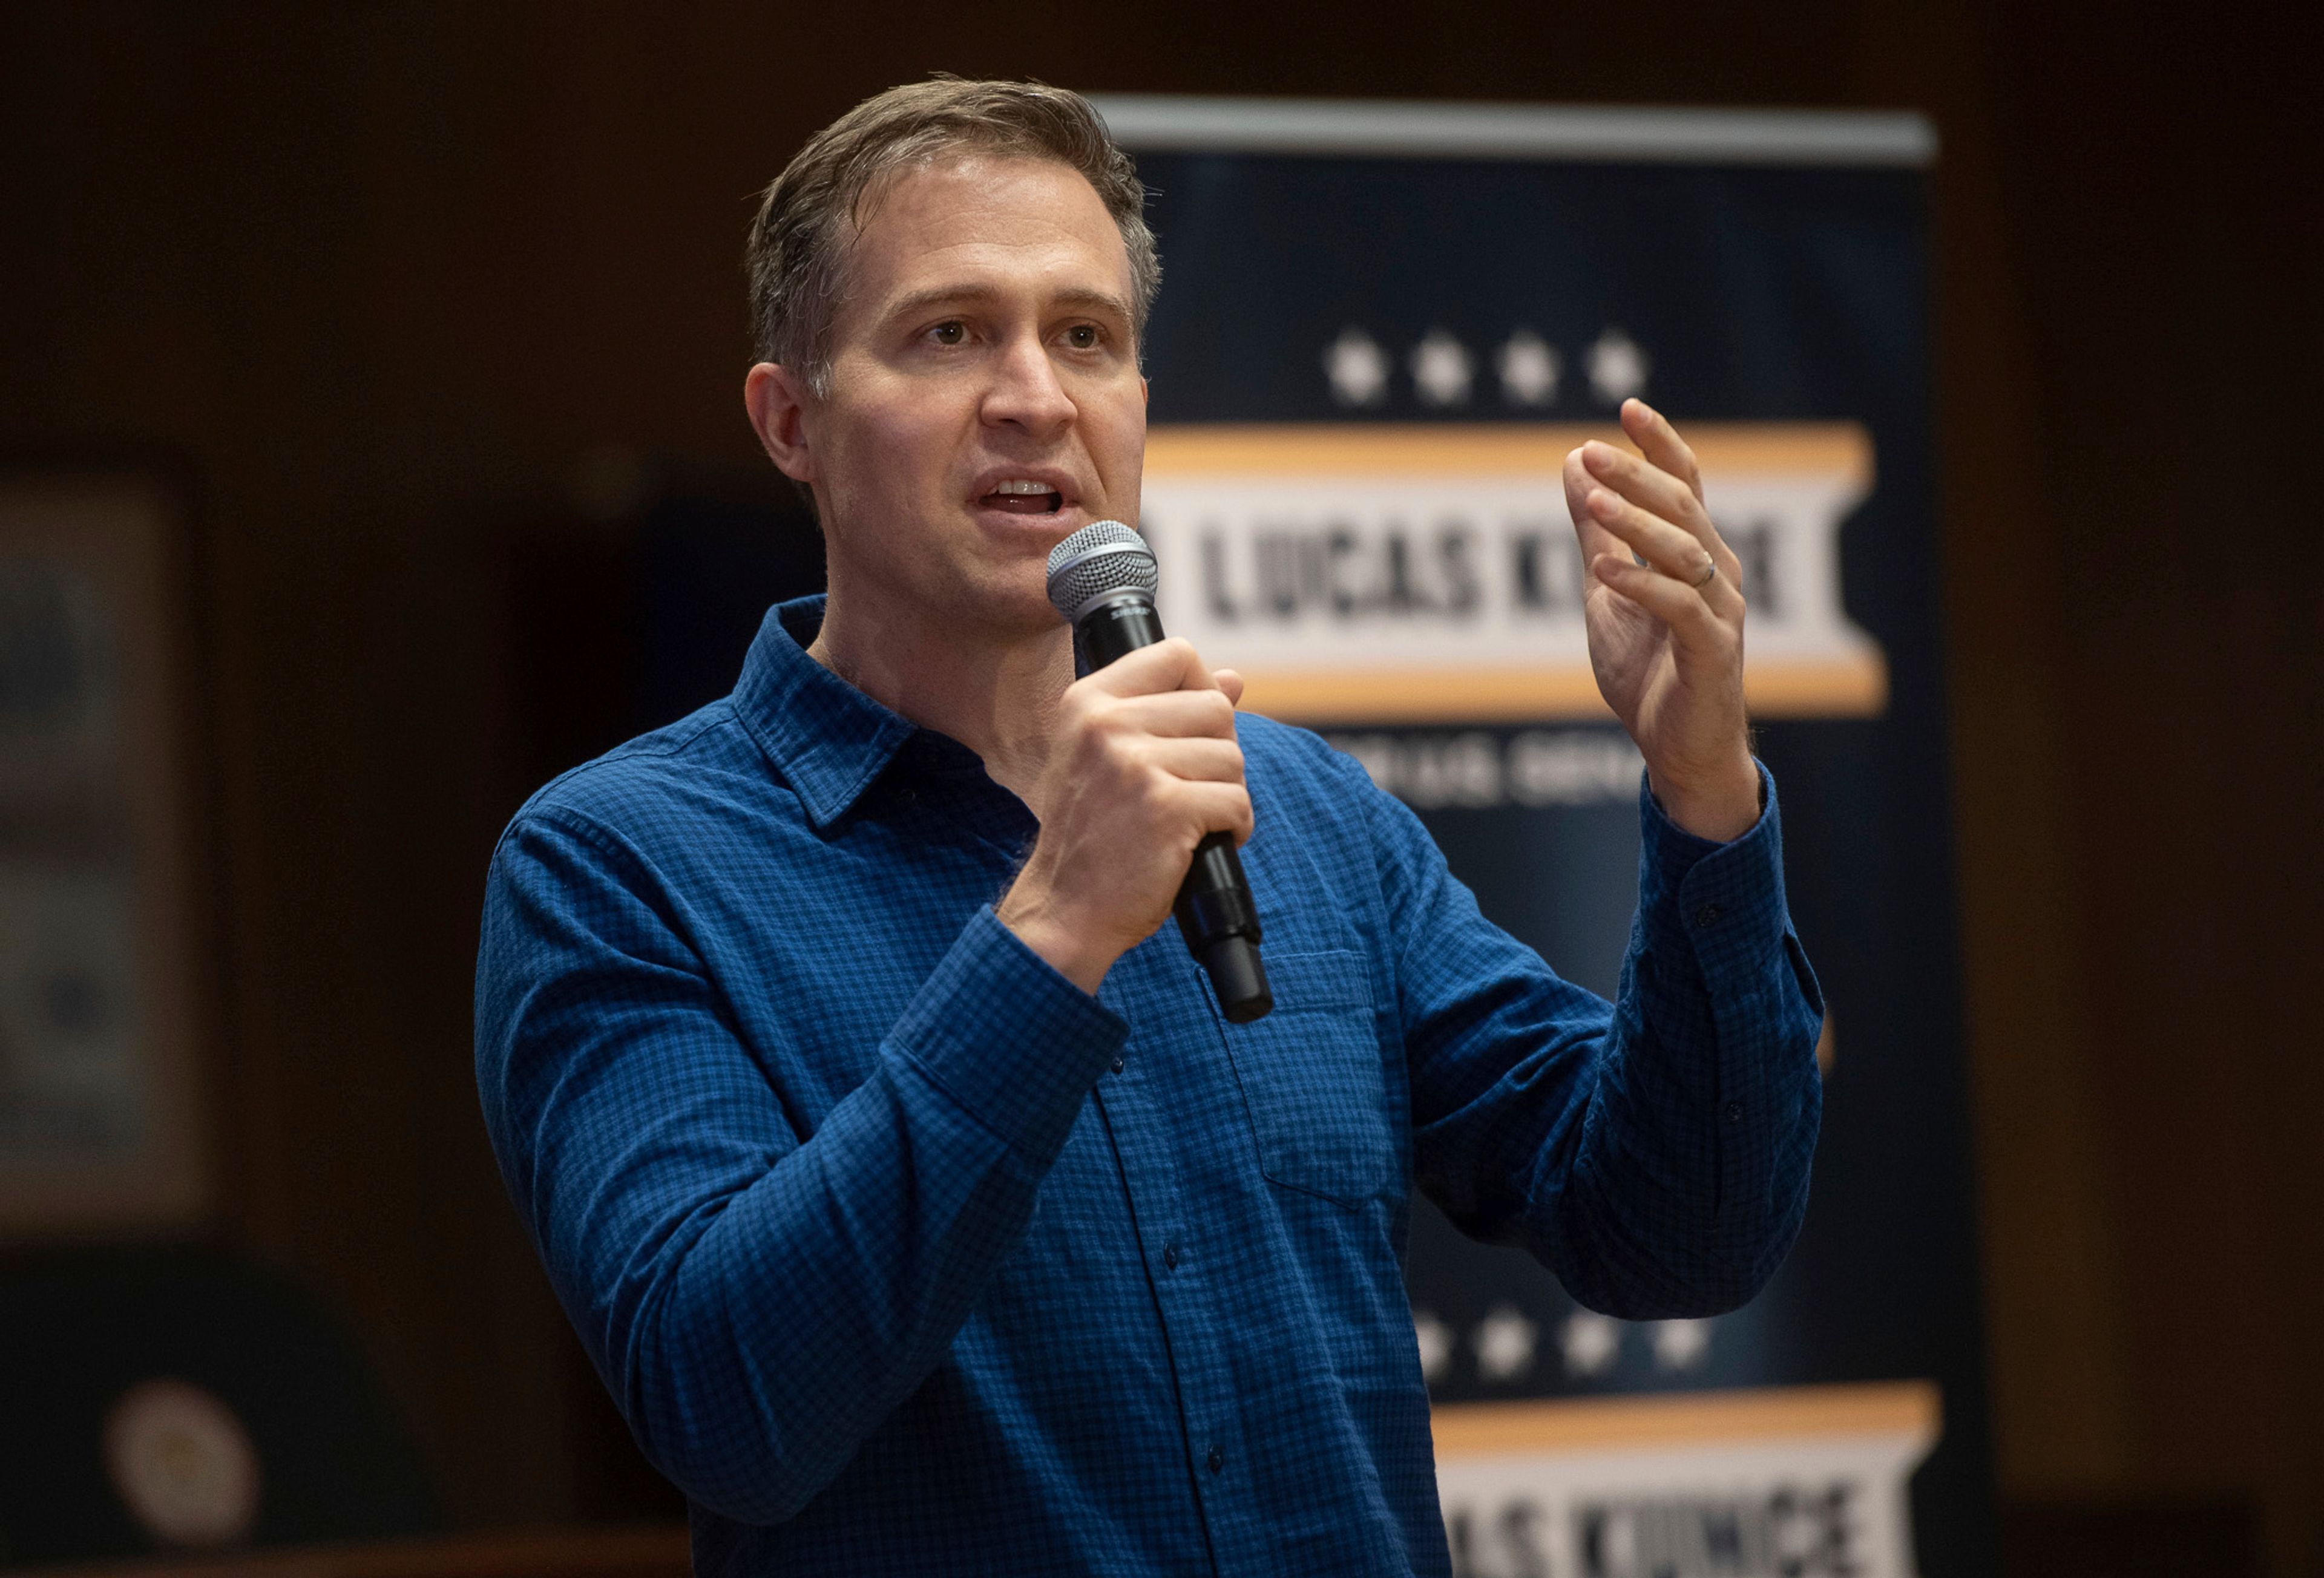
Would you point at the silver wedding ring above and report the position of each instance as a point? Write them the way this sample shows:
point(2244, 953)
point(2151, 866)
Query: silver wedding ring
point(1709, 569)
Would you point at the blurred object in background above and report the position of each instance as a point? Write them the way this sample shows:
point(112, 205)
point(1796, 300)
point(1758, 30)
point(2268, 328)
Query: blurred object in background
point(181, 1401)
point(102, 1111)
point(103, 1119)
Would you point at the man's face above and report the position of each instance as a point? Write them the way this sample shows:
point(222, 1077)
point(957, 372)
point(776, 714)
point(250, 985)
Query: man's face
point(985, 398)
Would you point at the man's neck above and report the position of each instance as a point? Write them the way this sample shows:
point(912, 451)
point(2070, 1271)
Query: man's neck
point(995, 693)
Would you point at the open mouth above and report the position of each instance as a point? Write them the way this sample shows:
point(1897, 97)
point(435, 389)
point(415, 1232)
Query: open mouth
point(1025, 498)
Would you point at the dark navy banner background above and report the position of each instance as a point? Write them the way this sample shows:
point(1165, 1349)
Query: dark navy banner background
point(1749, 294)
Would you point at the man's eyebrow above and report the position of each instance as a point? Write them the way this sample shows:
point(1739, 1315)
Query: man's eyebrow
point(942, 296)
point(1095, 301)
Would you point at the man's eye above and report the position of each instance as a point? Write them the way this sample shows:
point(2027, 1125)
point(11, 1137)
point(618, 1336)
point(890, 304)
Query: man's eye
point(1083, 337)
point(949, 333)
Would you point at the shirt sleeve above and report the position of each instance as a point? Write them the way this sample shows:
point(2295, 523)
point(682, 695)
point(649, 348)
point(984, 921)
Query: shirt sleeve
point(760, 1300)
point(1653, 1152)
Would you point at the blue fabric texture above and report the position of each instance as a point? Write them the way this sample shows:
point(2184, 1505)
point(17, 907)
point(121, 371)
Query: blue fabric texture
point(902, 1254)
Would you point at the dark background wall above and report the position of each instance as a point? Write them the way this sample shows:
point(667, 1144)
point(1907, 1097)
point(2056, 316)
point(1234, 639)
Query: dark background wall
point(388, 282)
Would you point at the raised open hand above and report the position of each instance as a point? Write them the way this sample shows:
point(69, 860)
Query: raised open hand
point(1667, 635)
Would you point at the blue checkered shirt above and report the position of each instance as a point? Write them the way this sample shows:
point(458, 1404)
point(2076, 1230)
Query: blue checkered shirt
point(903, 1255)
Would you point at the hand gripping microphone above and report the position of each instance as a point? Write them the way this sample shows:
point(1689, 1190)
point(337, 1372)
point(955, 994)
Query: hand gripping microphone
point(1102, 580)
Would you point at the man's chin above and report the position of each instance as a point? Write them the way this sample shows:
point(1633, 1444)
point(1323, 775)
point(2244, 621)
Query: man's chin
point(1015, 585)
point(993, 586)
point(1027, 617)
point(1008, 603)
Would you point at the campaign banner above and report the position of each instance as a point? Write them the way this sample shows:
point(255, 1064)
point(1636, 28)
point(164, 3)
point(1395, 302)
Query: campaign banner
point(1800, 1482)
point(1382, 330)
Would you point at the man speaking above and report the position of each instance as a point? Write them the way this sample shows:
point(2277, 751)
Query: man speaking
point(914, 1198)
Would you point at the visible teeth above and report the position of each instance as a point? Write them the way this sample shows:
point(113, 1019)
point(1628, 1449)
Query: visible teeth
point(1024, 487)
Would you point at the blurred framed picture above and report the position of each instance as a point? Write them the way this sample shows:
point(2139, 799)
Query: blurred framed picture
point(102, 1103)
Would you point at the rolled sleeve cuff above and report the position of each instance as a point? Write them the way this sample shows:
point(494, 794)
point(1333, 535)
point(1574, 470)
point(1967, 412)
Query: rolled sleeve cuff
point(1744, 1015)
point(1013, 1043)
point(1722, 903)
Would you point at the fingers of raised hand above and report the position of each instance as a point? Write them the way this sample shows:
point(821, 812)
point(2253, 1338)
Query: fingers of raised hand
point(1677, 554)
point(1647, 485)
point(1598, 477)
point(1652, 432)
point(1661, 496)
point(1686, 610)
point(1579, 485)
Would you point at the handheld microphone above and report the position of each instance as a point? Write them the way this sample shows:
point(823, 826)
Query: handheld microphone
point(1102, 580)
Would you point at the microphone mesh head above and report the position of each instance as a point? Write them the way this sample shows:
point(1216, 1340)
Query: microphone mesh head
point(1104, 557)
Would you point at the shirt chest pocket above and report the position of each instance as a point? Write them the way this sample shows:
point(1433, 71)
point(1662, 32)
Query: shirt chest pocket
point(1311, 1081)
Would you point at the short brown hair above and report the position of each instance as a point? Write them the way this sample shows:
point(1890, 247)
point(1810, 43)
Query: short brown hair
point(809, 217)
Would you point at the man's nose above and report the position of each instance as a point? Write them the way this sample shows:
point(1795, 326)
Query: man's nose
point(1026, 392)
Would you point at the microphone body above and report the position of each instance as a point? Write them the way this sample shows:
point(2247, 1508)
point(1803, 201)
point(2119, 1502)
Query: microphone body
point(1214, 910)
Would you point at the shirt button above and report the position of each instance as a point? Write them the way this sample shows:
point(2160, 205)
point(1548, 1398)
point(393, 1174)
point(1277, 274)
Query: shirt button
point(1216, 1461)
point(1734, 1112)
point(1117, 1065)
point(1707, 914)
point(1170, 1257)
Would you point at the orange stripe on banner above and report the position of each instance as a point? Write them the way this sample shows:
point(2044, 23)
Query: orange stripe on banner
point(1575, 1425)
point(1854, 686)
point(1490, 449)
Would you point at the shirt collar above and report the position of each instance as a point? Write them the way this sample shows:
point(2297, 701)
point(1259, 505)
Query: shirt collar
point(827, 739)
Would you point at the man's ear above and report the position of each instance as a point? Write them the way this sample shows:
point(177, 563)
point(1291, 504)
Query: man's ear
point(777, 401)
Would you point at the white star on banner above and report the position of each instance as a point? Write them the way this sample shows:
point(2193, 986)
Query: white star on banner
point(1435, 1340)
point(1441, 369)
point(1357, 367)
point(1529, 370)
point(1591, 1341)
point(1504, 1343)
point(1617, 367)
point(1681, 1345)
